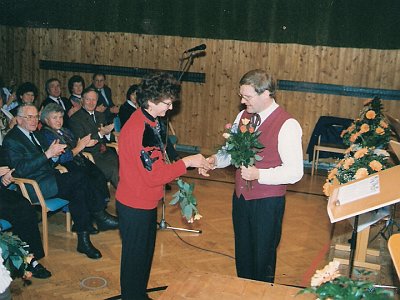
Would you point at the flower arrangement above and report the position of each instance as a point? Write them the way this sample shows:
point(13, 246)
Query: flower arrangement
point(356, 165)
point(367, 138)
point(242, 143)
point(187, 201)
point(329, 284)
point(15, 257)
point(371, 129)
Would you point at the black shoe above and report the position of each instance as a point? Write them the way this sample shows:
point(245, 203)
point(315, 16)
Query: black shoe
point(85, 246)
point(91, 230)
point(39, 271)
point(105, 221)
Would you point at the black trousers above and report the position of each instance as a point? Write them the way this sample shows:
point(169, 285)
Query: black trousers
point(138, 228)
point(21, 214)
point(257, 226)
point(74, 187)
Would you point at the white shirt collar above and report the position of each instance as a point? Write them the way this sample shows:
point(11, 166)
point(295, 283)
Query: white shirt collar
point(131, 103)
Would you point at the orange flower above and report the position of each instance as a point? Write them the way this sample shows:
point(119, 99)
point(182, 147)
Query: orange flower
point(361, 173)
point(383, 124)
point(366, 102)
point(354, 136)
point(327, 188)
point(243, 129)
point(251, 129)
point(370, 114)
point(332, 173)
point(364, 128)
point(226, 135)
point(245, 121)
point(343, 133)
point(360, 153)
point(380, 130)
point(375, 165)
point(348, 162)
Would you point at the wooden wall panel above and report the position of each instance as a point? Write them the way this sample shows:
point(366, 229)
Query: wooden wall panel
point(205, 108)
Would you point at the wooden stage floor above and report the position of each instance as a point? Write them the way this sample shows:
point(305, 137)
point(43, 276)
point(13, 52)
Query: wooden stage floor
point(305, 245)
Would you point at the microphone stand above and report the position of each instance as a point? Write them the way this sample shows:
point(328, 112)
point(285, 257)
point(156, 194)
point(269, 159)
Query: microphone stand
point(163, 225)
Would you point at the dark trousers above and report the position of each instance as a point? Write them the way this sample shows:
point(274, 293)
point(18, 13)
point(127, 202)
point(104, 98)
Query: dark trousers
point(74, 187)
point(257, 226)
point(138, 229)
point(21, 214)
point(107, 162)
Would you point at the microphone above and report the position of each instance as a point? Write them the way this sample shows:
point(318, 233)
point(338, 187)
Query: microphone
point(197, 48)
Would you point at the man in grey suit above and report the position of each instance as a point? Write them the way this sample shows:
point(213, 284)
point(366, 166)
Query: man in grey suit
point(89, 121)
point(26, 151)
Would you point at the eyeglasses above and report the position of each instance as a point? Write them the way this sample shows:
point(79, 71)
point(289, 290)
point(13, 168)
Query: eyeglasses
point(169, 104)
point(30, 117)
point(247, 98)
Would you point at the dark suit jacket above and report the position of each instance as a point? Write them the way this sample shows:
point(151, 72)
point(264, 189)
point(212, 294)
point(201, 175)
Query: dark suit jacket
point(125, 112)
point(28, 162)
point(82, 124)
point(109, 116)
point(67, 105)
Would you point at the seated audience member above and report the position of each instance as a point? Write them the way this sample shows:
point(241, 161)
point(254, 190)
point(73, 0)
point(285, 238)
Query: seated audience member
point(26, 93)
point(53, 90)
point(22, 216)
point(89, 121)
point(76, 84)
point(26, 151)
point(104, 103)
point(72, 158)
point(8, 93)
point(129, 106)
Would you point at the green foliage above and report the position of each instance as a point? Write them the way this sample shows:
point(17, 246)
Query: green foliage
point(14, 254)
point(187, 201)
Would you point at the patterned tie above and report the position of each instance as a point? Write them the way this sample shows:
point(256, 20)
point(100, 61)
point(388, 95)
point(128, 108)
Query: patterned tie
point(35, 142)
point(255, 120)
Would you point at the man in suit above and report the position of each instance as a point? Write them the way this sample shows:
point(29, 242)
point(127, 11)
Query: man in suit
point(53, 90)
point(26, 151)
point(89, 121)
point(104, 103)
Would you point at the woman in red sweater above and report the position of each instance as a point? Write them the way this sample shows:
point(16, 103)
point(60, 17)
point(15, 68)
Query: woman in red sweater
point(143, 173)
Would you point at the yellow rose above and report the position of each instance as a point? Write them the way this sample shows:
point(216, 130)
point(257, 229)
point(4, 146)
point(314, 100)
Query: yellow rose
point(327, 188)
point(360, 153)
point(370, 114)
point(226, 135)
point(380, 130)
point(245, 121)
point(383, 124)
point(348, 162)
point(375, 165)
point(364, 128)
point(361, 173)
point(332, 173)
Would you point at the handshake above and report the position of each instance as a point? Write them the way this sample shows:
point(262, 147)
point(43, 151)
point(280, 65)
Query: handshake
point(199, 161)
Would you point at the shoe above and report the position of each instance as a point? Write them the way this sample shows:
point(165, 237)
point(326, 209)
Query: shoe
point(91, 230)
point(39, 271)
point(85, 246)
point(105, 221)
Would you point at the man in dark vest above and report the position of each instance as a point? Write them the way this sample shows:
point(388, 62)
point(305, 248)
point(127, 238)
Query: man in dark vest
point(257, 212)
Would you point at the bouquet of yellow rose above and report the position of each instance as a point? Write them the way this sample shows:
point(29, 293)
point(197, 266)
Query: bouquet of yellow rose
point(371, 129)
point(242, 143)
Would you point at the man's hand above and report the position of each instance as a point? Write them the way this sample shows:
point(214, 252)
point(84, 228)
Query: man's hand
point(75, 107)
point(114, 109)
point(212, 160)
point(55, 149)
point(101, 108)
point(197, 161)
point(104, 130)
point(4, 170)
point(7, 178)
point(249, 173)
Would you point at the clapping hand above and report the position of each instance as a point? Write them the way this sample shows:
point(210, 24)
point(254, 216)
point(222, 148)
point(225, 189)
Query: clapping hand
point(55, 149)
point(101, 108)
point(104, 130)
point(6, 178)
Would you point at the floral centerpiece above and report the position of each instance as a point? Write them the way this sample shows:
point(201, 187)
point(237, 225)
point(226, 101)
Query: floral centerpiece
point(242, 143)
point(371, 129)
point(187, 201)
point(329, 284)
point(367, 137)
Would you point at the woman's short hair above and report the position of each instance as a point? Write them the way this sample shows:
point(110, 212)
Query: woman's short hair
point(156, 87)
point(25, 88)
point(48, 109)
point(260, 81)
point(132, 89)
point(73, 79)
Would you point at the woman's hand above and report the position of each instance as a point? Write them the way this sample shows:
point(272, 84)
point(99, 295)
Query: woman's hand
point(196, 161)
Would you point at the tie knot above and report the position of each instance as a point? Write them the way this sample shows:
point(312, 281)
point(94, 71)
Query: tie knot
point(255, 120)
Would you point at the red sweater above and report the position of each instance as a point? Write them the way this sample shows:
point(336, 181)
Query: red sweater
point(138, 187)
